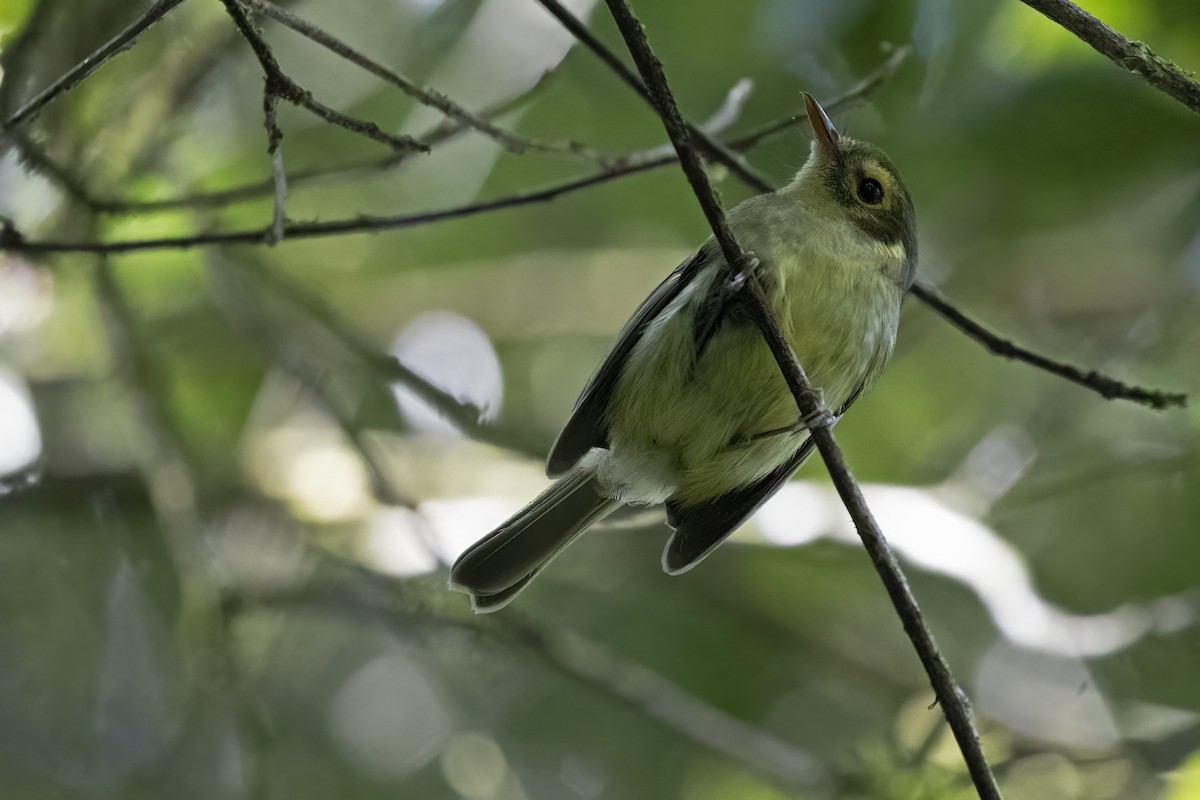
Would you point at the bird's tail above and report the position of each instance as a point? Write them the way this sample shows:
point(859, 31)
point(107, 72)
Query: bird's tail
point(499, 565)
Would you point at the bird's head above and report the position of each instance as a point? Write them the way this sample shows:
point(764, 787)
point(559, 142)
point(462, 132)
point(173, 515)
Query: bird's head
point(857, 180)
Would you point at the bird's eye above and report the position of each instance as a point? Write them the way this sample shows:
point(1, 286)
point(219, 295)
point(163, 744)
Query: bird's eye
point(870, 191)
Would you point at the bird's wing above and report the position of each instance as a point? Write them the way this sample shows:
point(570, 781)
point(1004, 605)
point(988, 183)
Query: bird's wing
point(588, 425)
point(701, 527)
point(720, 303)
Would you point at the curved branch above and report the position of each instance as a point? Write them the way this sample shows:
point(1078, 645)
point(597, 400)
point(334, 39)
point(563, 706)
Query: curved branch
point(84, 69)
point(1136, 57)
point(1103, 385)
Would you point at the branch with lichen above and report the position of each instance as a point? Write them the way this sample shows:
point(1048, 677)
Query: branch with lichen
point(1137, 57)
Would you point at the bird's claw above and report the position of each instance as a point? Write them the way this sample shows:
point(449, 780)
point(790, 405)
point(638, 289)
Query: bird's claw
point(737, 280)
point(821, 418)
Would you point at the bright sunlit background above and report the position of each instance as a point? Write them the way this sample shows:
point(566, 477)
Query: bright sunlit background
point(225, 530)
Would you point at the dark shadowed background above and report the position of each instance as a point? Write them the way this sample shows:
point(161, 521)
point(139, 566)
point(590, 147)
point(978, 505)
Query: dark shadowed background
point(229, 580)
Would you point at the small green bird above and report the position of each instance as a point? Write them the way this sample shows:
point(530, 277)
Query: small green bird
point(690, 409)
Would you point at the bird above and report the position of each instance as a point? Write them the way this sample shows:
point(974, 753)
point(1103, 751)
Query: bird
point(689, 409)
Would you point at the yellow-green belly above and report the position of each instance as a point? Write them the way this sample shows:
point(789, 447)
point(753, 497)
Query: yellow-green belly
point(685, 428)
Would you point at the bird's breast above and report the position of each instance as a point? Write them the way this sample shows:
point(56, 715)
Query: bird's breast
point(690, 425)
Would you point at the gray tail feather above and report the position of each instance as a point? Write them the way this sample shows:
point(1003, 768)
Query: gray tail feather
point(498, 566)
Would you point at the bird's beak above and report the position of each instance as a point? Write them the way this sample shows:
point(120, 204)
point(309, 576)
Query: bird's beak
point(824, 133)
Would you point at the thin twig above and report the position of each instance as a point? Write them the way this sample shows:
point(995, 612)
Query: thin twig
point(183, 89)
point(278, 175)
point(1136, 57)
point(81, 71)
point(465, 416)
point(244, 312)
point(1103, 385)
point(36, 157)
point(279, 84)
point(11, 239)
point(953, 701)
point(862, 89)
point(19, 49)
point(446, 130)
point(295, 94)
point(15, 56)
point(512, 142)
point(443, 132)
point(713, 148)
point(273, 77)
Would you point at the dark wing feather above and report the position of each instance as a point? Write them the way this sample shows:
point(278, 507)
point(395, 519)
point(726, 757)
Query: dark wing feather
point(724, 303)
point(588, 425)
point(700, 528)
point(711, 313)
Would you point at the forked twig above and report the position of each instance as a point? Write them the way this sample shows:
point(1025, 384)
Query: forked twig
point(279, 84)
point(510, 141)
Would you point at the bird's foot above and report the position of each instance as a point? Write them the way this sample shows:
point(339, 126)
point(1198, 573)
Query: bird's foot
point(821, 418)
point(737, 281)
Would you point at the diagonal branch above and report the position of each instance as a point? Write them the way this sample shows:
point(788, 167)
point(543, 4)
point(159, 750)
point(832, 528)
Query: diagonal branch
point(280, 85)
point(863, 88)
point(40, 161)
point(951, 698)
point(1136, 57)
point(465, 416)
point(448, 129)
point(442, 132)
point(510, 141)
point(1106, 387)
point(83, 70)
point(713, 149)
point(244, 311)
